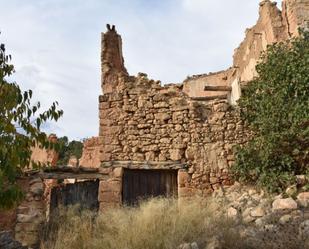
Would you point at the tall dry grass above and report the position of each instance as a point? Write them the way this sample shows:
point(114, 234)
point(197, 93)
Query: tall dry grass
point(155, 224)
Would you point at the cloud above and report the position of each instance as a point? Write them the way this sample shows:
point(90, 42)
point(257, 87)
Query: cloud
point(55, 46)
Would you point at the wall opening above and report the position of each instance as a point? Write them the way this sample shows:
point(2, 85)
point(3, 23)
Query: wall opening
point(140, 184)
point(84, 194)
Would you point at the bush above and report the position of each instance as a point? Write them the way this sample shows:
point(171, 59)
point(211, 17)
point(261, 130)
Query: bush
point(276, 107)
point(67, 149)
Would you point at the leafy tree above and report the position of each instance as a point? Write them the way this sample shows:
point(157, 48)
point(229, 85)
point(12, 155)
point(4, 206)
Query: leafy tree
point(276, 107)
point(20, 125)
point(63, 144)
point(68, 149)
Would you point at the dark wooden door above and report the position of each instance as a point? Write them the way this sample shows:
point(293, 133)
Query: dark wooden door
point(142, 184)
point(84, 194)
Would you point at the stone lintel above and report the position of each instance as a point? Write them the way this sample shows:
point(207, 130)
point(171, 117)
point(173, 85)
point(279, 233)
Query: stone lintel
point(144, 165)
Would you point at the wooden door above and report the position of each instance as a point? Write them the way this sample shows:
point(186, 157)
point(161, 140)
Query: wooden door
point(142, 184)
point(85, 194)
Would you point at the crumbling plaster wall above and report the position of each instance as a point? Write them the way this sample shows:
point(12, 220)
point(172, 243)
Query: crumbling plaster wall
point(272, 26)
point(45, 156)
point(295, 14)
point(91, 153)
point(269, 29)
point(194, 86)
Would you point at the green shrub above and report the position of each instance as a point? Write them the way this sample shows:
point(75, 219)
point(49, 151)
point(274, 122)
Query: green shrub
point(67, 149)
point(276, 107)
point(20, 129)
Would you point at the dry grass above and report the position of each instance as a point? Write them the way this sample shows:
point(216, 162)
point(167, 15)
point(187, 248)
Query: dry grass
point(155, 224)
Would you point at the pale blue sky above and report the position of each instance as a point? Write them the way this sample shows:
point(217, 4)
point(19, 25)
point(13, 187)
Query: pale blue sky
point(55, 46)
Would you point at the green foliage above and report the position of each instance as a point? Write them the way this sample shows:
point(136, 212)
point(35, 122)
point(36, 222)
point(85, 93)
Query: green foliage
point(276, 107)
point(68, 149)
point(20, 125)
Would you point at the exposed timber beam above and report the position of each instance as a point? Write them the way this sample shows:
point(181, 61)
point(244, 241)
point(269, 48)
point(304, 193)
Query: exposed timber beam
point(71, 175)
point(144, 165)
point(207, 98)
point(218, 88)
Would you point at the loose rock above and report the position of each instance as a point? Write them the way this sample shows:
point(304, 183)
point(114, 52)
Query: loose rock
point(281, 204)
point(303, 199)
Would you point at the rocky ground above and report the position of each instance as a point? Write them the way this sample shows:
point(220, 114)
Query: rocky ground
point(263, 220)
point(260, 220)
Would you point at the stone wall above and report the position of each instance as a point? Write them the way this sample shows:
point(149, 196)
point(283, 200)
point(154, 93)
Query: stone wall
point(110, 189)
point(112, 62)
point(272, 26)
point(144, 125)
point(167, 126)
point(295, 14)
point(26, 220)
point(91, 153)
point(147, 122)
point(45, 156)
point(8, 217)
point(191, 123)
point(194, 86)
point(30, 213)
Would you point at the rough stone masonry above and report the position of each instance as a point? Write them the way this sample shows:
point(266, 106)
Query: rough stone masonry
point(272, 26)
point(192, 126)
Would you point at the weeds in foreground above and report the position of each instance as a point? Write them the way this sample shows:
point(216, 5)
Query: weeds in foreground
point(157, 224)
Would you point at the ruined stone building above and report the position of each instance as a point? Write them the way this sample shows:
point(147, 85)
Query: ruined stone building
point(172, 140)
point(186, 129)
point(45, 156)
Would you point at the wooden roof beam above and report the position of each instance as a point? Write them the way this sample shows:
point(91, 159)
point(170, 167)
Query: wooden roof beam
point(218, 88)
point(207, 98)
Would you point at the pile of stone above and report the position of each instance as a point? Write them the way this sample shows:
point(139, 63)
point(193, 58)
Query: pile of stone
point(260, 220)
point(265, 218)
point(249, 205)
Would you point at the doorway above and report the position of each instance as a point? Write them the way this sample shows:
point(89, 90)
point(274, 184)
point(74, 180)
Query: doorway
point(85, 194)
point(140, 184)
